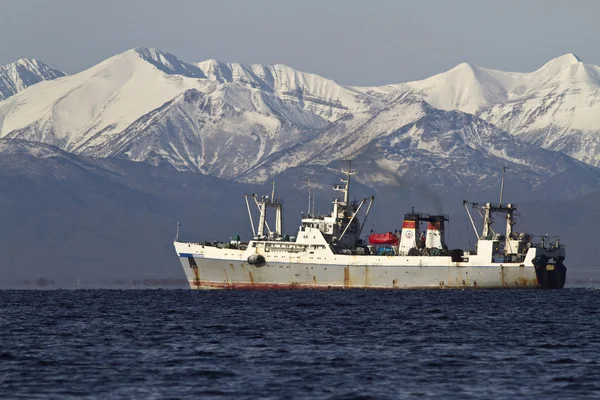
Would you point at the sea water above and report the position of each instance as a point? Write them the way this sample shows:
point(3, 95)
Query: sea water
point(338, 344)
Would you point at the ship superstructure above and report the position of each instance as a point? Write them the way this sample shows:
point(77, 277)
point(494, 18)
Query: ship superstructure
point(328, 252)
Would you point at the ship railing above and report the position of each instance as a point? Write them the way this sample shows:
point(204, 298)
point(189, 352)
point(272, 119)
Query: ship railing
point(549, 243)
point(502, 205)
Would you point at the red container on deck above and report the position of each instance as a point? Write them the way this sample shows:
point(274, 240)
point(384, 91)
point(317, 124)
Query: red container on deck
point(383, 238)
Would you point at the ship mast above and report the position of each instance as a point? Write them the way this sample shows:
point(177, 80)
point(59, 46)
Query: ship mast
point(502, 184)
point(311, 196)
point(344, 187)
point(262, 205)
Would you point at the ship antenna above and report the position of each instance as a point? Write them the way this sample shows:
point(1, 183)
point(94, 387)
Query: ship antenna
point(309, 195)
point(349, 172)
point(502, 184)
point(177, 233)
point(314, 194)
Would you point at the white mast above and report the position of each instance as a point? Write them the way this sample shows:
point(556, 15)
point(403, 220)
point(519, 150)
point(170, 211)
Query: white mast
point(344, 187)
point(273, 192)
point(314, 194)
point(250, 215)
point(309, 196)
point(349, 172)
point(262, 219)
point(502, 184)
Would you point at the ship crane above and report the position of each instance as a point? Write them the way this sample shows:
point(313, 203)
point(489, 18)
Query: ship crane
point(355, 213)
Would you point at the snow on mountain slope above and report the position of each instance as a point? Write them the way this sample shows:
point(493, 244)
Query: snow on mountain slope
point(411, 141)
point(92, 112)
point(556, 107)
point(210, 133)
point(340, 140)
point(104, 99)
point(324, 97)
point(19, 75)
point(446, 149)
point(470, 88)
point(251, 122)
point(465, 87)
point(168, 63)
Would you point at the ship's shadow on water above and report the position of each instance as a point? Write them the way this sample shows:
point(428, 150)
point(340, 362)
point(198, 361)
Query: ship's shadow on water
point(300, 344)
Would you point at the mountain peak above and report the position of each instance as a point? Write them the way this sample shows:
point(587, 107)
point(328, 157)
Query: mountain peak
point(26, 60)
point(210, 62)
point(23, 73)
point(216, 70)
point(150, 52)
point(167, 62)
point(568, 58)
point(558, 64)
point(465, 65)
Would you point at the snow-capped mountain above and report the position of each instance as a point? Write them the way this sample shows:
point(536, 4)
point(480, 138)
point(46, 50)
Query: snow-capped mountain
point(316, 94)
point(19, 75)
point(440, 149)
point(99, 102)
point(252, 122)
point(556, 107)
point(147, 105)
point(211, 133)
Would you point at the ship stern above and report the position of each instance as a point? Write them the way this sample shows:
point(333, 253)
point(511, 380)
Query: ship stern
point(550, 270)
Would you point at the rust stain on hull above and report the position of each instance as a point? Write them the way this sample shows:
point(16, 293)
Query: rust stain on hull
point(347, 276)
point(196, 281)
point(226, 279)
point(524, 282)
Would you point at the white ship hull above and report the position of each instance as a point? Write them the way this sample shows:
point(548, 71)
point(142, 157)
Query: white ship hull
point(216, 268)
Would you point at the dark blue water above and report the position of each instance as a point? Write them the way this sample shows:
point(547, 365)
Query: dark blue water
point(300, 344)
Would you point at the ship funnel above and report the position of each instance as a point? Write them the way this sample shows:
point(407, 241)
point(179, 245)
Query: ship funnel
point(435, 232)
point(409, 234)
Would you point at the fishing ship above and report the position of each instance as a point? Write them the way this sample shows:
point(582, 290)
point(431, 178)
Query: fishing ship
point(327, 252)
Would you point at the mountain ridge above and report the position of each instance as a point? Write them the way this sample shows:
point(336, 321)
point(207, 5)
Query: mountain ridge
point(230, 119)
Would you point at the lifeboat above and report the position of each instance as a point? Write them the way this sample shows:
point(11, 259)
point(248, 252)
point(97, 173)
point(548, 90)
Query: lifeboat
point(383, 238)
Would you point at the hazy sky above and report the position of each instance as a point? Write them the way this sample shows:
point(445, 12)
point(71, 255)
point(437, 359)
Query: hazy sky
point(354, 42)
